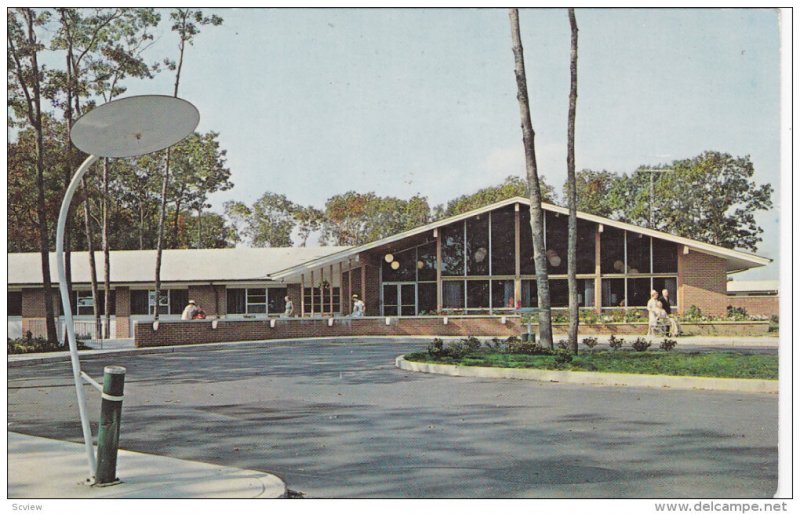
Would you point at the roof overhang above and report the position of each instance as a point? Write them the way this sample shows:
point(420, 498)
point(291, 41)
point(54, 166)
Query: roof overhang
point(736, 260)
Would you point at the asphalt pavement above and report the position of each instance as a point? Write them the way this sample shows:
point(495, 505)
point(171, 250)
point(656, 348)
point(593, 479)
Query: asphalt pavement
point(338, 420)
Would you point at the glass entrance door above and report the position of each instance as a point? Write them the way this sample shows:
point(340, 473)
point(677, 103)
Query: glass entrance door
point(400, 299)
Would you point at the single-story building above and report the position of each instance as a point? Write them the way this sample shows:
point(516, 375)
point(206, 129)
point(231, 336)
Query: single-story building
point(476, 263)
point(756, 297)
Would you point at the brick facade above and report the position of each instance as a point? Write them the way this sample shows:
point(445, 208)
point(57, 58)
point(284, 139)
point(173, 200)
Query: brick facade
point(702, 281)
point(123, 312)
point(213, 299)
point(756, 305)
point(201, 331)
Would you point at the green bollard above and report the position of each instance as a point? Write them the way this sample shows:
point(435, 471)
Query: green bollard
point(108, 433)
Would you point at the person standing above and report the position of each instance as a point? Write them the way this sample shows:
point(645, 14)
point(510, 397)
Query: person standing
point(655, 311)
point(665, 303)
point(358, 307)
point(288, 311)
point(190, 311)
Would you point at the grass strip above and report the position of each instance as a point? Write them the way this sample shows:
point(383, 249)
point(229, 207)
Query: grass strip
point(693, 364)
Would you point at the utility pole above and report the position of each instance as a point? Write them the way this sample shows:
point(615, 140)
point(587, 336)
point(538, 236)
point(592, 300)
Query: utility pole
point(652, 172)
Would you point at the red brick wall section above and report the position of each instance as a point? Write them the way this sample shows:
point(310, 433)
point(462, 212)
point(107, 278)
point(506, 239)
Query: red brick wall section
point(756, 305)
point(356, 287)
point(704, 283)
point(123, 312)
point(192, 332)
point(373, 300)
point(208, 297)
point(33, 303)
point(293, 292)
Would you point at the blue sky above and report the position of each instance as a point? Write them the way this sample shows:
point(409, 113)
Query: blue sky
point(314, 102)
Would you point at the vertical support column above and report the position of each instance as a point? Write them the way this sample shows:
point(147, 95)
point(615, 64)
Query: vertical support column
point(331, 275)
point(349, 286)
point(302, 295)
point(681, 292)
point(312, 293)
point(322, 291)
point(341, 288)
point(517, 258)
point(364, 284)
point(437, 235)
point(108, 431)
point(598, 293)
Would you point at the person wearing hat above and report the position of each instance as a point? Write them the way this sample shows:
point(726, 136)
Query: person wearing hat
point(358, 307)
point(190, 311)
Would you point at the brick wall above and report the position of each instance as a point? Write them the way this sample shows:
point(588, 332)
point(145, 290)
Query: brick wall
point(373, 299)
point(123, 311)
point(293, 292)
point(201, 331)
point(756, 305)
point(33, 303)
point(702, 283)
point(210, 298)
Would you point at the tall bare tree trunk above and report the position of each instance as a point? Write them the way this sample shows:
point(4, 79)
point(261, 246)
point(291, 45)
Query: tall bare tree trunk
point(160, 239)
point(572, 236)
point(164, 188)
point(106, 255)
point(537, 216)
point(87, 222)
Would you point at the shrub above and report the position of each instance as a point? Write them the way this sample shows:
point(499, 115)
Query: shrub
point(591, 342)
point(563, 344)
point(668, 344)
point(455, 350)
point(615, 342)
point(495, 344)
point(563, 358)
point(641, 344)
point(30, 344)
point(693, 313)
point(436, 348)
point(527, 348)
point(736, 313)
point(773, 323)
point(471, 344)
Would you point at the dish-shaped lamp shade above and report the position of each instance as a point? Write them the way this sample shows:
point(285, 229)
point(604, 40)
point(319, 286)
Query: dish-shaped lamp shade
point(135, 125)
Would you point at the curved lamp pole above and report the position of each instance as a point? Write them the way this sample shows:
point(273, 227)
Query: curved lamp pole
point(127, 127)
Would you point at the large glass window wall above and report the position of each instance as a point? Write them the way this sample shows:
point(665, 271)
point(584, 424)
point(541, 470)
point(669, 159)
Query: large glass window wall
point(479, 264)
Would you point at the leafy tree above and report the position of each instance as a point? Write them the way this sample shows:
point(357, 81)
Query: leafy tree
point(102, 48)
point(711, 198)
point(512, 186)
point(593, 190)
point(268, 223)
point(537, 217)
point(25, 76)
point(186, 23)
point(356, 218)
point(198, 169)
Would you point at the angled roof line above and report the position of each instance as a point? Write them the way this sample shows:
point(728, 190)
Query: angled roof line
point(697, 245)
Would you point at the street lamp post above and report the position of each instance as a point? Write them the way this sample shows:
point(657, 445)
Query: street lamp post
point(126, 127)
point(652, 172)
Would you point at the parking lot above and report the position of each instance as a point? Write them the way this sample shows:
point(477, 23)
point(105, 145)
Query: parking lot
point(339, 420)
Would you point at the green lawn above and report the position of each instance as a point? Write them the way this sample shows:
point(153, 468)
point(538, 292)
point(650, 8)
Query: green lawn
point(706, 364)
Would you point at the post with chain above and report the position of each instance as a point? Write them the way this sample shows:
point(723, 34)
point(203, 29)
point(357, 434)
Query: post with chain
point(108, 432)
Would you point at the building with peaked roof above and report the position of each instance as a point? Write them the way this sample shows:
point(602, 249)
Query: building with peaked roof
point(477, 263)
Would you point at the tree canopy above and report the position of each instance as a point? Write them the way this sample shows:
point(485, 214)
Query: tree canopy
point(711, 197)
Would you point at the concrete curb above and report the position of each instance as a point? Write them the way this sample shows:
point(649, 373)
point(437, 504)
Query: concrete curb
point(13, 361)
point(50, 468)
point(591, 378)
